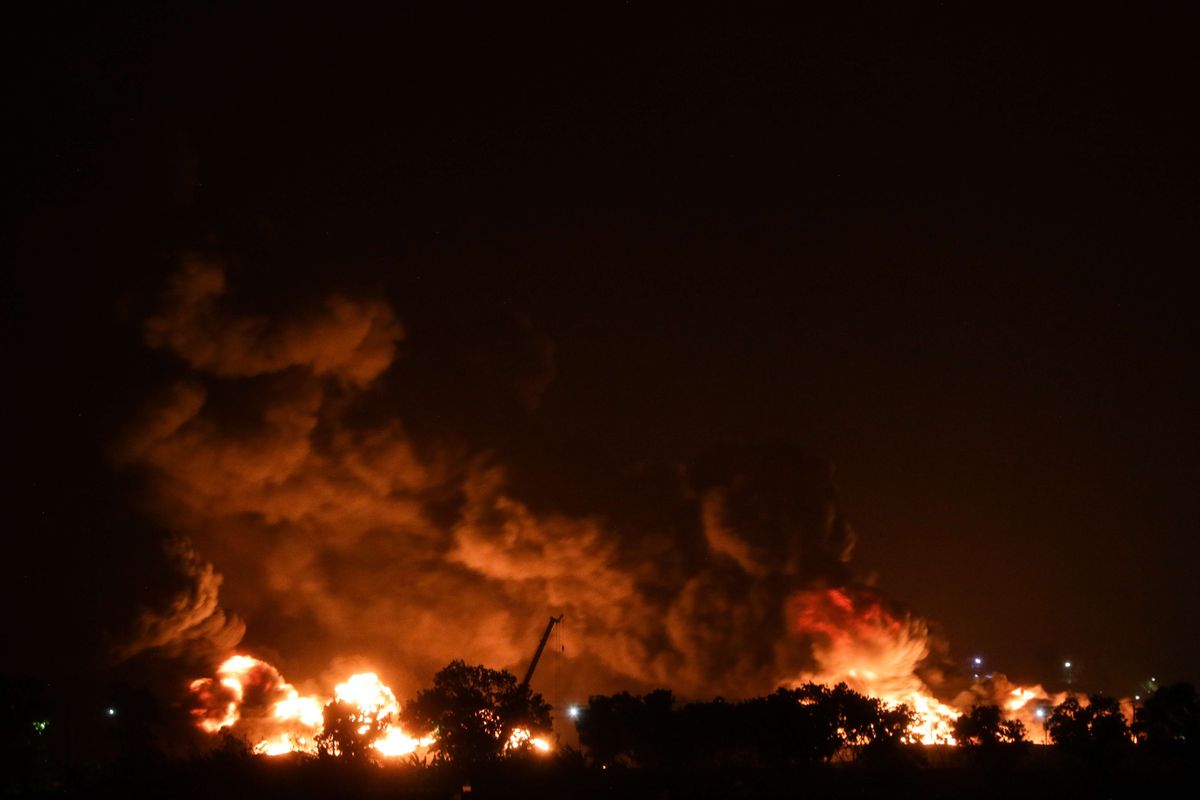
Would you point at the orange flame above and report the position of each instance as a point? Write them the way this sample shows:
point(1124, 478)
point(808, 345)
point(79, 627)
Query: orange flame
point(250, 697)
point(521, 736)
point(858, 641)
point(876, 651)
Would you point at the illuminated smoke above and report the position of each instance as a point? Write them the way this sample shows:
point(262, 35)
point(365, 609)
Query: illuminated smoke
point(278, 452)
point(1029, 704)
point(349, 340)
point(875, 648)
point(193, 616)
point(337, 535)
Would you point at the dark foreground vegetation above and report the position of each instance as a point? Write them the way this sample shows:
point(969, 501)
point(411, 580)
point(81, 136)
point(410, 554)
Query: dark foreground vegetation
point(813, 741)
point(934, 773)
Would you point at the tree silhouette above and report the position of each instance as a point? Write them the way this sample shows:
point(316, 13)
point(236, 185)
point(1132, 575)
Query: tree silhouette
point(473, 711)
point(348, 731)
point(789, 728)
point(712, 733)
point(1067, 725)
point(608, 727)
point(862, 720)
point(795, 726)
point(1099, 727)
point(1169, 719)
point(1108, 728)
point(985, 726)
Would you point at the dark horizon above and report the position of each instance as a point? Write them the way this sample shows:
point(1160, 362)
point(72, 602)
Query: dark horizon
point(950, 253)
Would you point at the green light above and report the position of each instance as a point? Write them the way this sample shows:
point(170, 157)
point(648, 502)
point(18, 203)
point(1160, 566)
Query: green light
point(41, 725)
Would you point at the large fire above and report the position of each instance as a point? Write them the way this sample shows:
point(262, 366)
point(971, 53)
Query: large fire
point(280, 449)
point(249, 697)
point(858, 640)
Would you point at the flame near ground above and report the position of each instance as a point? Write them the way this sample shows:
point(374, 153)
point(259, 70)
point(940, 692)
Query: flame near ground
point(856, 639)
point(250, 697)
point(278, 452)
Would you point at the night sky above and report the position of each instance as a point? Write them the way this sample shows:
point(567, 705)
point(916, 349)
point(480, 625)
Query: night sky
point(951, 251)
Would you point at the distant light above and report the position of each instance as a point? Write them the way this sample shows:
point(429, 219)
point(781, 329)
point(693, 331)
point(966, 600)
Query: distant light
point(1041, 712)
point(1154, 680)
point(1067, 664)
point(573, 712)
point(1137, 697)
point(978, 661)
point(112, 712)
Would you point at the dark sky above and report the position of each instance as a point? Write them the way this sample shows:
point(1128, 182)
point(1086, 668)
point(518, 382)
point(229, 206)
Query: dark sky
point(952, 251)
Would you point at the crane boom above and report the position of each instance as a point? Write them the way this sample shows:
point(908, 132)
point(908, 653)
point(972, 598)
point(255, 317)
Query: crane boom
point(537, 654)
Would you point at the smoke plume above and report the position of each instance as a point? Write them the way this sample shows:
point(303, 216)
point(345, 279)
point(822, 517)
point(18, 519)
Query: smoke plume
point(340, 539)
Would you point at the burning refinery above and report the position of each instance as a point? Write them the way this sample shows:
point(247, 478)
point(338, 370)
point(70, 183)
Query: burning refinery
point(307, 521)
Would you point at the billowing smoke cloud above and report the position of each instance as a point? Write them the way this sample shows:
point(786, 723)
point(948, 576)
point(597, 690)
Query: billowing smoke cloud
point(352, 341)
point(341, 540)
point(193, 616)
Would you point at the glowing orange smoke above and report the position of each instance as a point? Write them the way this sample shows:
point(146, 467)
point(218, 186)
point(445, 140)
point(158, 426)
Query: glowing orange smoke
point(859, 641)
point(1031, 705)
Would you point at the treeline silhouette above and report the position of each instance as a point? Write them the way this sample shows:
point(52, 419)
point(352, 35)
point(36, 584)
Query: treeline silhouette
point(789, 728)
point(829, 738)
point(816, 724)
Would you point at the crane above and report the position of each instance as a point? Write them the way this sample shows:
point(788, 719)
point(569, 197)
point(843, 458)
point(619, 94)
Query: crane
point(537, 654)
